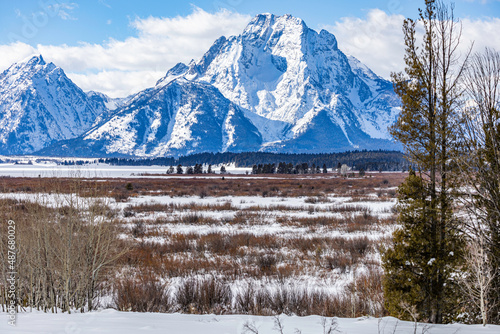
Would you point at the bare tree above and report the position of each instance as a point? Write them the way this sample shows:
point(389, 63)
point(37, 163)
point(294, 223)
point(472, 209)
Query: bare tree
point(477, 281)
point(66, 244)
point(479, 161)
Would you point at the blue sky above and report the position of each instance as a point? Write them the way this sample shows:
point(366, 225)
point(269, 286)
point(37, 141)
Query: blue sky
point(121, 46)
point(95, 21)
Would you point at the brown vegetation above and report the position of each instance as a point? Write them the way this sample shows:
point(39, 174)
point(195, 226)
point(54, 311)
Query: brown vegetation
point(78, 247)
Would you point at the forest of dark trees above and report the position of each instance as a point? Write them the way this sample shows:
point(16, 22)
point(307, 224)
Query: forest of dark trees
point(366, 160)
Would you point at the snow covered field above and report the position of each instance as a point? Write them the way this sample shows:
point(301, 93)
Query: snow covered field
point(297, 246)
point(306, 237)
point(30, 168)
point(111, 321)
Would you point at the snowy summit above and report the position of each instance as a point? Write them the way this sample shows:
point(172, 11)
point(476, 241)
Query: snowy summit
point(278, 87)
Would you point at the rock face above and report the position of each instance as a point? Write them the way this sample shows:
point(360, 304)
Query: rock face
point(301, 91)
point(277, 87)
point(39, 105)
point(180, 118)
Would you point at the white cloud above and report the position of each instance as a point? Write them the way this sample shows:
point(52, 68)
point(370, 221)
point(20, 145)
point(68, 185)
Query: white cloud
point(483, 2)
point(122, 67)
point(13, 53)
point(484, 33)
point(116, 83)
point(64, 10)
point(377, 40)
point(119, 68)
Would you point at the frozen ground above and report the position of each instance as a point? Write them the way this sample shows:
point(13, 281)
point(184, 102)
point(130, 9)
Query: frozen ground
point(30, 168)
point(111, 321)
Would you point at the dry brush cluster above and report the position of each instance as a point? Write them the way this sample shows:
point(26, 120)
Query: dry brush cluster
point(66, 245)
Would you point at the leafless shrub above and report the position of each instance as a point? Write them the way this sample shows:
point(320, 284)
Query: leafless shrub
point(358, 247)
point(204, 296)
point(245, 300)
point(139, 229)
point(186, 296)
point(143, 294)
point(278, 324)
point(191, 218)
point(250, 327)
point(338, 261)
point(266, 262)
point(330, 326)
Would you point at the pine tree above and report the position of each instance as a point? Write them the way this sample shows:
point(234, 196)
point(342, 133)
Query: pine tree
point(179, 169)
point(418, 277)
point(198, 169)
point(428, 239)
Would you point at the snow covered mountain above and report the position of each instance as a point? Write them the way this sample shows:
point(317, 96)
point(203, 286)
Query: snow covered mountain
point(301, 91)
point(180, 118)
point(277, 87)
point(40, 105)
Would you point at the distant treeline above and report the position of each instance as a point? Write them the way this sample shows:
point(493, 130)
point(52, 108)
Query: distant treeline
point(366, 160)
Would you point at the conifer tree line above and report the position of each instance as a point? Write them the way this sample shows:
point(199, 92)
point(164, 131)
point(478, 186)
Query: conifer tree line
point(288, 168)
point(366, 160)
point(443, 263)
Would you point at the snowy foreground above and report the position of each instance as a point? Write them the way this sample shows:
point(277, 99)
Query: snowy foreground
point(111, 321)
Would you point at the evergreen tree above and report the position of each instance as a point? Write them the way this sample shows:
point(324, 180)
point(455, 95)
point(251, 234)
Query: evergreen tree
point(198, 169)
point(414, 270)
point(305, 168)
point(428, 239)
point(254, 169)
point(180, 170)
point(281, 168)
point(298, 169)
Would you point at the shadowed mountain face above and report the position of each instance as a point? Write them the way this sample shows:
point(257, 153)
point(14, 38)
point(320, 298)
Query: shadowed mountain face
point(278, 87)
point(39, 105)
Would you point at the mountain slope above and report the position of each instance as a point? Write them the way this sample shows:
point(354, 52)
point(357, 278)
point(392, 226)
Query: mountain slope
point(288, 74)
point(177, 118)
point(277, 87)
point(40, 105)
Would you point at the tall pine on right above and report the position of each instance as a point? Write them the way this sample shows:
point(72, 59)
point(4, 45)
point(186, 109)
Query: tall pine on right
point(426, 251)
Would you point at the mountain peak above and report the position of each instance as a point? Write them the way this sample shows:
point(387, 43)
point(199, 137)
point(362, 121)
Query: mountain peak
point(262, 18)
point(34, 60)
point(43, 106)
point(262, 22)
point(329, 38)
point(279, 86)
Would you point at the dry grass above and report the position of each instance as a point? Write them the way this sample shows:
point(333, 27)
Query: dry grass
point(206, 265)
point(285, 186)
